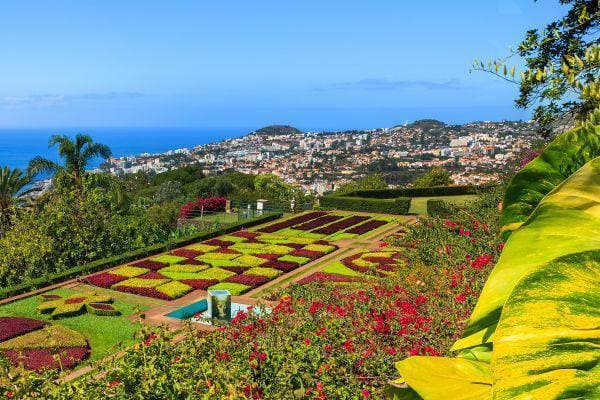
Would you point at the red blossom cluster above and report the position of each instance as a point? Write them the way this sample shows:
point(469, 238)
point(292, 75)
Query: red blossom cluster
point(206, 204)
point(40, 359)
point(325, 277)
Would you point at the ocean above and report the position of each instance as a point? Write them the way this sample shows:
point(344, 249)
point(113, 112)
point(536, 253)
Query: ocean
point(19, 145)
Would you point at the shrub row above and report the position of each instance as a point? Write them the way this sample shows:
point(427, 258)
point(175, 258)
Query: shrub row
point(129, 256)
point(438, 208)
point(398, 206)
point(416, 192)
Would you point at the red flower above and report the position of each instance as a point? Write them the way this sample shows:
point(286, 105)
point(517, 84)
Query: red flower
point(113, 384)
point(366, 393)
point(307, 341)
point(461, 298)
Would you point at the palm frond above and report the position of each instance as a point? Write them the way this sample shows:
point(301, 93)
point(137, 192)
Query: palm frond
point(39, 165)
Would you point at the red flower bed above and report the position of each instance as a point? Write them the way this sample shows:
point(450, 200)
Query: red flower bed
point(206, 204)
point(75, 300)
point(292, 221)
point(200, 284)
point(338, 226)
point(141, 291)
point(283, 266)
point(237, 269)
point(325, 277)
point(191, 261)
point(218, 242)
point(11, 327)
point(296, 246)
point(248, 280)
point(246, 234)
point(267, 256)
point(39, 359)
point(366, 227)
point(152, 275)
point(105, 279)
point(102, 306)
point(226, 250)
point(380, 260)
point(187, 253)
point(48, 297)
point(153, 265)
point(313, 255)
point(318, 222)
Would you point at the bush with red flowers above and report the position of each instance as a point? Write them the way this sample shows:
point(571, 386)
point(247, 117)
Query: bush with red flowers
point(214, 204)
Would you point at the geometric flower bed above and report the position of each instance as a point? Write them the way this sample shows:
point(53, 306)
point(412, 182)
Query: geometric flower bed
point(38, 345)
point(330, 226)
point(76, 304)
point(359, 266)
point(237, 262)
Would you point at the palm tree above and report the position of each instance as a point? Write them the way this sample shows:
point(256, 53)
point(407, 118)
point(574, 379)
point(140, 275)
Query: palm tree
point(76, 155)
point(14, 189)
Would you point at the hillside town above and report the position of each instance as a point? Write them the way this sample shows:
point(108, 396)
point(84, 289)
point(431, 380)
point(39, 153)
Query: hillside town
point(475, 153)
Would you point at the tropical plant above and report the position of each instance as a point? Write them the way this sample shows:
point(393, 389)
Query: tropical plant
point(15, 186)
point(76, 156)
point(562, 67)
point(541, 293)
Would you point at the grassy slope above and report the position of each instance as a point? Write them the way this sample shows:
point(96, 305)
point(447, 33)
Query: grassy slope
point(102, 332)
point(418, 205)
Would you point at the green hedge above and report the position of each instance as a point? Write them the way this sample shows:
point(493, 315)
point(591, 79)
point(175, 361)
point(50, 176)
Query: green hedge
point(123, 258)
point(415, 192)
point(438, 208)
point(399, 206)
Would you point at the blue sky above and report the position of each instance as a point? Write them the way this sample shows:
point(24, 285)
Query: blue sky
point(314, 64)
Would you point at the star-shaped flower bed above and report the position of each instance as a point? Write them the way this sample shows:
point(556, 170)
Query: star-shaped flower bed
point(59, 307)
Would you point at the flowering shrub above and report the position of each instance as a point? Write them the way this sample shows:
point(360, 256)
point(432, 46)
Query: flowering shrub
point(207, 204)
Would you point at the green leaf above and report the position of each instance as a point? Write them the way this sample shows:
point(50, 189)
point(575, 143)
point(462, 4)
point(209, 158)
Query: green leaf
point(441, 378)
point(562, 157)
point(567, 221)
point(547, 343)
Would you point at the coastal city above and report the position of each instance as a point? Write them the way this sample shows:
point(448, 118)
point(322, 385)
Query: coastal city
point(474, 153)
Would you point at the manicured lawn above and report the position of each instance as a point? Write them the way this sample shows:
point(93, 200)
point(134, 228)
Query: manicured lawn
point(418, 205)
point(103, 333)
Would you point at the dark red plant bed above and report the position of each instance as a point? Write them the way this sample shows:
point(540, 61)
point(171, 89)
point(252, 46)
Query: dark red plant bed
point(11, 327)
point(236, 268)
point(218, 242)
point(366, 227)
point(153, 265)
point(338, 226)
point(75, 300)
point(226, 250)
point(380, 260)
point(292, 221)
point(142, 291)
point(49, 297)
point(318, 222)
point(323, 242)
point(39, 359)
point(246, 234)
point(325, 277)
point(105, 279)
point(284, 266)
point(200, 284)
point(295, 246)
point(152, 275)
point(191, 261)
point(187, 253)
point(249, 280)
point(313, 255)
point(267, 256)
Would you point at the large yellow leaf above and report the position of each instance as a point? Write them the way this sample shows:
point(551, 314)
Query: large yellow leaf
point(567, 221)
point(438, 378)
point(547, 344)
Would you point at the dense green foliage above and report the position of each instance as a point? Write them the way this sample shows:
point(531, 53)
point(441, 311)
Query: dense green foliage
point(398, 206)
point(370, 182)
point(14, 189)
point(436, 176)
point(416, 192)
point(278, 130)
point(562, 68)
